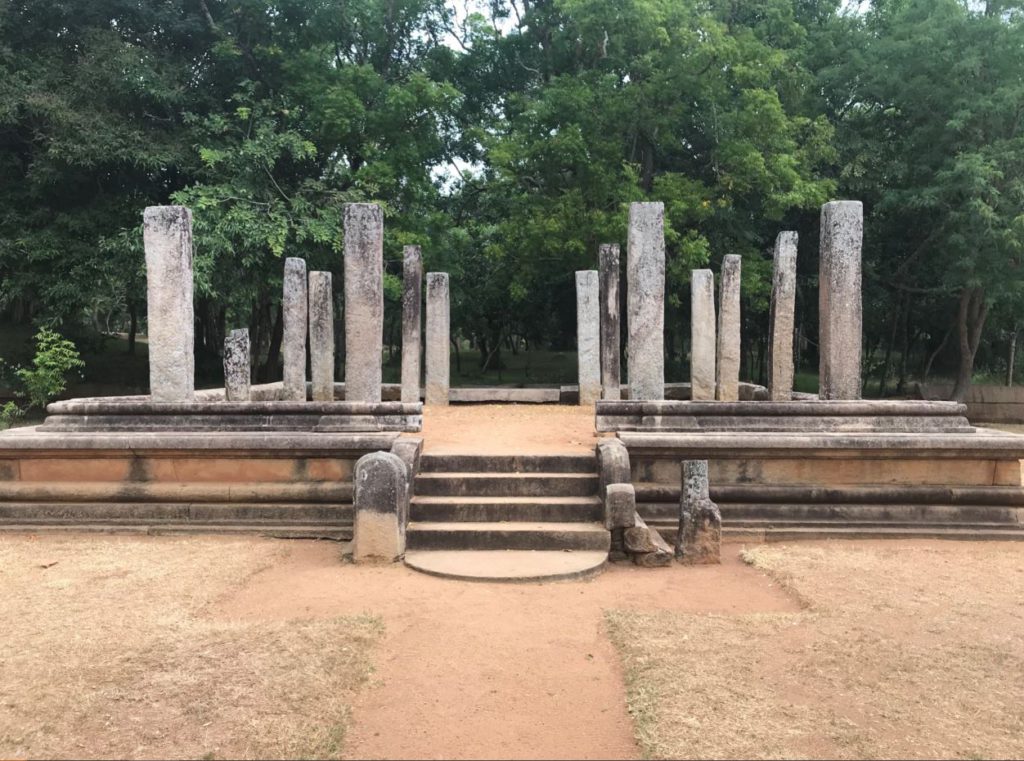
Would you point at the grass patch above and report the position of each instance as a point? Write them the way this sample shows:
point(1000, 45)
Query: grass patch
point(905, 652)
point(108, 653)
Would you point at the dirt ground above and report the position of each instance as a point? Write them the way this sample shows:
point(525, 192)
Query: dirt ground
point(508, 429)
point(206, 647)
point(904, 650)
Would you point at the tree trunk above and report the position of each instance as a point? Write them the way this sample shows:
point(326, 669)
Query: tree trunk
point(133, 326)
point(970, 322)
point(1011, 356)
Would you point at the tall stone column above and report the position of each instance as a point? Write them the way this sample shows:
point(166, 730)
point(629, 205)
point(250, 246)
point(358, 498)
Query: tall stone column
point(364, 301)
point(702, 335)
point(727, 361)
point(645, 281)
point(295, 308)
point(438, 327)
point(611, 364)
point(588, 336)
point(321, 336)
point(237, 375)
point(167, 237)
point(839, 300)
point(412, 299)
point(781, 319)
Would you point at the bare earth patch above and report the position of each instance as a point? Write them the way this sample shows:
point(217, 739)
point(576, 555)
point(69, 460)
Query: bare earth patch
point(906, 650)
point(509, 429)
point(106, 651)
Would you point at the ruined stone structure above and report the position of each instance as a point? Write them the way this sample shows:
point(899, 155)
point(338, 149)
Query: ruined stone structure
point(295, 312)
point(611, 363)
point(699, 538)
point(321, 336)
point(702, 335)
point(167, 236)
point(839, 300)
point(645, 277)
point(727, 358)
point(438, 336)
point(781, 319)
point(364, 301)
point(412, 301)
point(588, 336)
point(237, 374)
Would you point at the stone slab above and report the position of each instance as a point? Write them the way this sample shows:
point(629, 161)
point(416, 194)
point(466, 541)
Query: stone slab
point(702, 335)
point(321, 336)
point(412, 305)
point(727, 355)
point(588, 336)
point(438, 352)
point(611, 361)
point(645, 284)
point(295, 308)
point(839, 300)
point(364, 301)
point(237, 367)
point(781, 318)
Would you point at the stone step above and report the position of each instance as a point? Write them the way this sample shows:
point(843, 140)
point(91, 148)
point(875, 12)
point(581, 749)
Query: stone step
point(469, 463)
point(540, 484)
point(507, 565)
point(275, 530)
point(888, 494)
point(491, 509)
point(809, 533)
point(170, 492)
point(507, 536)
point(175, 512)
point(938, 514)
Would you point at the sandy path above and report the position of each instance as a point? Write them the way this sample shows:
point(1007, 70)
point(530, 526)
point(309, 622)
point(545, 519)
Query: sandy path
point(487, 670)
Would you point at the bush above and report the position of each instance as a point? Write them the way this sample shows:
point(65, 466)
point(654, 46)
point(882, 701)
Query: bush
point(55, 357)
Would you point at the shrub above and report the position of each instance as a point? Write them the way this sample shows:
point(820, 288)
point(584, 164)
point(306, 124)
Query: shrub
point(55, 357)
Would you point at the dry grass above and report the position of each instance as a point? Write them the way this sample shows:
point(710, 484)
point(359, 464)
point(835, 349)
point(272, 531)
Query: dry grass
point(903, 650)
point(107, 653)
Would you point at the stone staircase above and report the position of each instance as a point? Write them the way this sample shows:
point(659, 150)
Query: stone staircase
point(507, 517)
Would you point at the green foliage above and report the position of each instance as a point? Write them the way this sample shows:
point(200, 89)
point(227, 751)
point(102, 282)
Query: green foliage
point(54, 359)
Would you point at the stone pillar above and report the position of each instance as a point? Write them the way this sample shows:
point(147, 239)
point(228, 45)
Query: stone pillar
point(412, 299)
point(781, 319)
point(380, 493)
point(237, 376)
point(645, 281)
point(167, 238)
point(588, 336)
point(364, 301)
point(839, 300)
point(699, 538)
point(293, 342)
point(702, 335)
point(321, 336)
point(727, 360)
point(611, 364)
point(438, 327)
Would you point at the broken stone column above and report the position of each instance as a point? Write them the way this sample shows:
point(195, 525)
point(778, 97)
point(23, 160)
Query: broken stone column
point(412, 298)
point(380, 493)
point(167, 238)
point(438, 328)
point(727, 359)
point(702, 335)
point(588, 336)
point(364, 301)
point(611, 365)
point(237, 376)
point(839, 300)
point(645, 281)
point(781, 319)
point(321, 336)
point(699, 538)
point(293, 342)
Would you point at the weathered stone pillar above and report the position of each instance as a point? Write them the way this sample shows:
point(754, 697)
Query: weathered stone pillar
point(611, 364)
point(167, 238)
point(293, 342)
point(645, 281)
point(702, 335)
point(380, 493)
point(364, 301)
point(237, 376)
point(839, 300)
point(727, 360)
point(781, 319)
point(438, 327)
point(699, 538)
point(412, 299)
point(321, 336)
point(588, 336)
